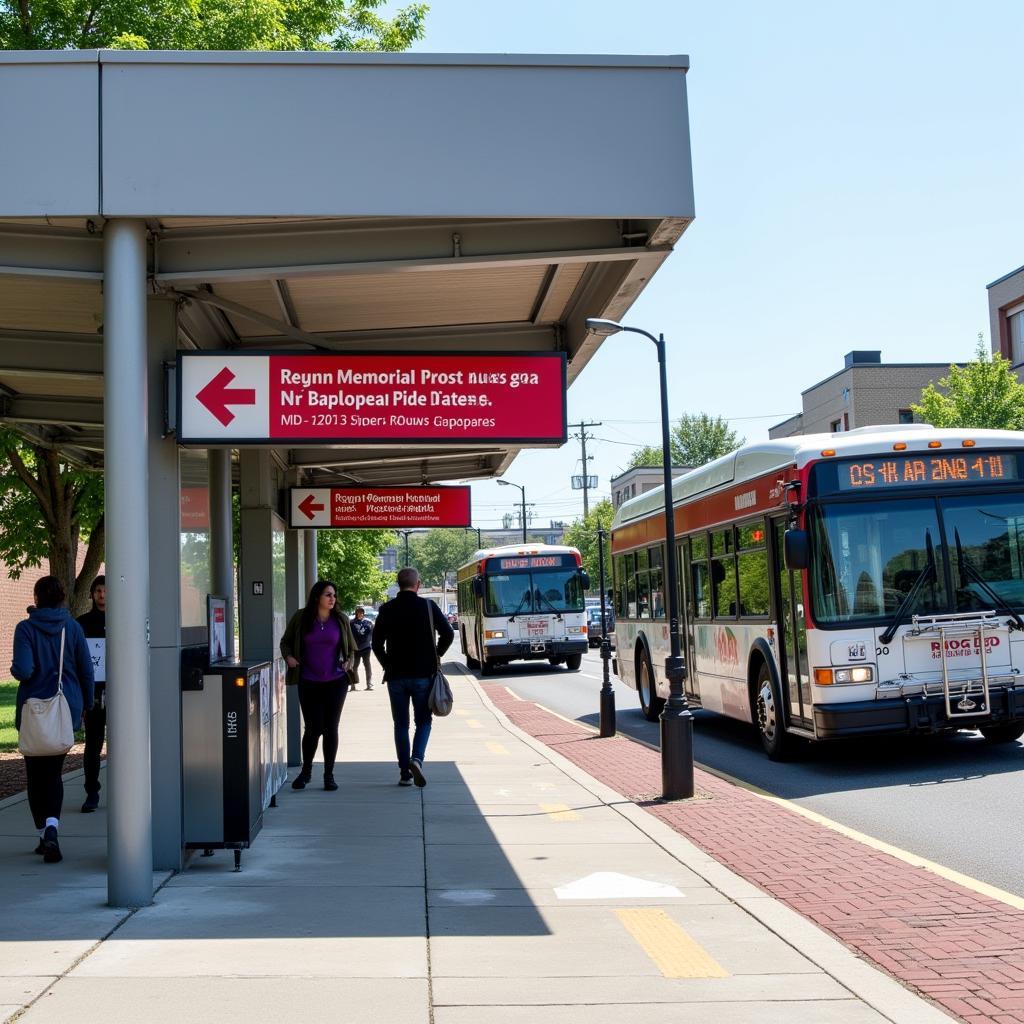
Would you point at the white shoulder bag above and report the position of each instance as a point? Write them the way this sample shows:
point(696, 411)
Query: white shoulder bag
point(46, 729)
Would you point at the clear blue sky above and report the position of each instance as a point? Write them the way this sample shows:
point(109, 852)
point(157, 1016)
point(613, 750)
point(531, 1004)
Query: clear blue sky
point(858, 175)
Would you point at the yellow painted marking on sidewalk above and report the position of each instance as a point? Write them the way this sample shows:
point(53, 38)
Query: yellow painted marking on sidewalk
point(676, 953)
point(496, 748)
point(462, 712)
point(559, 812)
point(473, 723)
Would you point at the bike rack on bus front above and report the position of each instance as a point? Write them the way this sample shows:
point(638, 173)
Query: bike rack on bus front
point(973, 624)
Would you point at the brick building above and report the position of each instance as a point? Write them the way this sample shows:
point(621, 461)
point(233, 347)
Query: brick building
point(1006, 317)
point(865, 392)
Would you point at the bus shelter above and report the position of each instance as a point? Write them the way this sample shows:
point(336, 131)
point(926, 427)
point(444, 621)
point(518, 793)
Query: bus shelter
point(155, 202)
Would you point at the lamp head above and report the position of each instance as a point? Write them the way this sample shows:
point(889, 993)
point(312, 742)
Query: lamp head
point(605, 328)
point(503, 483)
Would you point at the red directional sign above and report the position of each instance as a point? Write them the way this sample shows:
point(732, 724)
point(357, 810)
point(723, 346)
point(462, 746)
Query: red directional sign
point(359, 508)
point(312, 399)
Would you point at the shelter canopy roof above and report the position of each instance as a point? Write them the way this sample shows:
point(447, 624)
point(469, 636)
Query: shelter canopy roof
point(340, 202)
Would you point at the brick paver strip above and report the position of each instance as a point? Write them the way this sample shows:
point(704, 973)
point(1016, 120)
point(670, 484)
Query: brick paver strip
point(962, 950)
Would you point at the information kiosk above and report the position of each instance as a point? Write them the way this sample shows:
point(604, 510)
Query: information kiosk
point(228, 761)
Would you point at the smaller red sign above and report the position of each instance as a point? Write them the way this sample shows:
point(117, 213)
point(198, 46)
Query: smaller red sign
point(360, 508)
point(195, 509)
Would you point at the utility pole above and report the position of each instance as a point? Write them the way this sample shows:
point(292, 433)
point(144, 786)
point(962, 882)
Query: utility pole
point(583, 437)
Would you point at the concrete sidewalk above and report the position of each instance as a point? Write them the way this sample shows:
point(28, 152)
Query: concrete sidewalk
point(514, 888)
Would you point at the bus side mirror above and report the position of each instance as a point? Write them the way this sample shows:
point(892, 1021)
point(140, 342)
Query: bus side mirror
point(585, 579)
point(797, 553)
point(478, 587)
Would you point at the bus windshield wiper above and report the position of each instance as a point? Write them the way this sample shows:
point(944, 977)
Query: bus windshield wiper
point(541, 596)
point(968, 572)
point(526, 597)
point(926, 574)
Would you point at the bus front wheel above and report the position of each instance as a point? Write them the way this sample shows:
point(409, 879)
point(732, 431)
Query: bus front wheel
point(777, 743)
point(647, 689)
point(573, 662)
point(471, 662)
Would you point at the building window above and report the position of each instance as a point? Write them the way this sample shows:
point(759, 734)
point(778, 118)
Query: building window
point(837, 426)
point(906, 416)
point(1015, 329)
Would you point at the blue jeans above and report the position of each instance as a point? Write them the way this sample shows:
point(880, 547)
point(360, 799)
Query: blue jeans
point(400, 692)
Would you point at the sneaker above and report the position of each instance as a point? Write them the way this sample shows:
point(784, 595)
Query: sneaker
point(405, 780)
point(92, 801)
point(416, 768)
point(329, 782)
point(51, 848)
point(301, 779)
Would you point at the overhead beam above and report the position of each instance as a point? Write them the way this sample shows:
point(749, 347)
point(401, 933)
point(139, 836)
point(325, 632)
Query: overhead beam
point(40, 351)
point(208, 298)
point(51, 409)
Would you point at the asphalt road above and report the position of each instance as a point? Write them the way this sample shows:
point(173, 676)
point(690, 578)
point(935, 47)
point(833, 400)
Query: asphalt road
point(957, 801)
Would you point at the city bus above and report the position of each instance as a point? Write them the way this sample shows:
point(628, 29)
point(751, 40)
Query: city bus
point(523, 602)
point(836, 584)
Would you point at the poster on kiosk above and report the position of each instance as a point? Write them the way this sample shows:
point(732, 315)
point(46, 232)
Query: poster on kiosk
point(217, 622)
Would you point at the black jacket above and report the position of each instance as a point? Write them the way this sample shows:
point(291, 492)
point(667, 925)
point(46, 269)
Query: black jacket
point(93, 623)
point(401, 640)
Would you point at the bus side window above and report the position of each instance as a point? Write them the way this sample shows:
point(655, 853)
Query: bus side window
point(656, 557)
point(701, 589)
point(723, 573)
point(630, 570)
point(752, 564)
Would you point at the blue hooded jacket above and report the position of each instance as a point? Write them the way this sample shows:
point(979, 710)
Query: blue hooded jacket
point(37, 660)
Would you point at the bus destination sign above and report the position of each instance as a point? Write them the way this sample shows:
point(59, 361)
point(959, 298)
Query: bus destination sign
point(926, 471)
point(532, 562)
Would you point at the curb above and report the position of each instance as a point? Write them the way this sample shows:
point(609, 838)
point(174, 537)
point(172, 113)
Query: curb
point(878, 990)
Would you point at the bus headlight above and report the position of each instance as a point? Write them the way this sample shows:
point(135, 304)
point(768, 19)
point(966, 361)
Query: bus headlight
point(853, 674)
point(494, 634)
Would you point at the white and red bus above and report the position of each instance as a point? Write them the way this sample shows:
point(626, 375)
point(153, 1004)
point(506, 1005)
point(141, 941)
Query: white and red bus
point(837, 584)
point(523, 602)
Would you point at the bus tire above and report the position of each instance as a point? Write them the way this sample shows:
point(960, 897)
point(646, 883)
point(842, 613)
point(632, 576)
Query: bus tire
point(471, 662)
point(486, 667)
point(1008, 732)
point(646, 687)
point(555, 662)
point(767, 715)
point(573, 662)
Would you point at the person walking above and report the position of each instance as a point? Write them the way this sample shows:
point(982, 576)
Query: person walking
point(50, 652)
point(362, 630)
point(94, 625)
point(410, 634)
point(318, 647)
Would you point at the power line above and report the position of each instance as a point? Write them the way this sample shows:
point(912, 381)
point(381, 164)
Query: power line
point(583, 437)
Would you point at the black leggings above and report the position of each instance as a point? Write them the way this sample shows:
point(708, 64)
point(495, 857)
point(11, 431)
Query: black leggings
point(321, 705)
point(45, 787)
point(95, 722)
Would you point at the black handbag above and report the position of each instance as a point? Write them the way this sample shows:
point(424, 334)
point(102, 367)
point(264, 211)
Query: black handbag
point(441, 698)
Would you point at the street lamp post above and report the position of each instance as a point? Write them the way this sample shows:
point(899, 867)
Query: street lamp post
point(676, 719)
point(607, 693)
point(522, 492)
point(405, 535)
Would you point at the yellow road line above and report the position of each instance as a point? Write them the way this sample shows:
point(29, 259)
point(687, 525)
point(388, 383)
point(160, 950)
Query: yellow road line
point(675, 952)
point(915, 860)
point(559, 812)
point(473, 723)
point(496, 748)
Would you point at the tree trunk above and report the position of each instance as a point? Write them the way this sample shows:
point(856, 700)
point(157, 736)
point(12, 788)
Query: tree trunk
point(94, 555)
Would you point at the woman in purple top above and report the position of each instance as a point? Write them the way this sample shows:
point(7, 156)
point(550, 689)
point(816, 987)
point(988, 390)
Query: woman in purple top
point(318, 647)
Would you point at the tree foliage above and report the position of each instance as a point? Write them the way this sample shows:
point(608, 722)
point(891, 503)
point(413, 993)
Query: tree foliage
point(350, 558)
point(583, 535)
point(47, 507)
point(984, 393)
point(439, 551)
point(207, 25)
point(695, 440)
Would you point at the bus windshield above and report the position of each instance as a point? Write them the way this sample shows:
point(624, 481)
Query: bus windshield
point(518, 593)
point(868, 556)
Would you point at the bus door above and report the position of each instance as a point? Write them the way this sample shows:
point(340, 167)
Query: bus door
point(686, 607)
point(791, 643)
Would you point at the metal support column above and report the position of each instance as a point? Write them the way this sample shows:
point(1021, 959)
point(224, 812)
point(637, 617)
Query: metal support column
point(295, 599)
point(164, 484)
point(310, 560)
point(222, 553)
point(126, 423)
